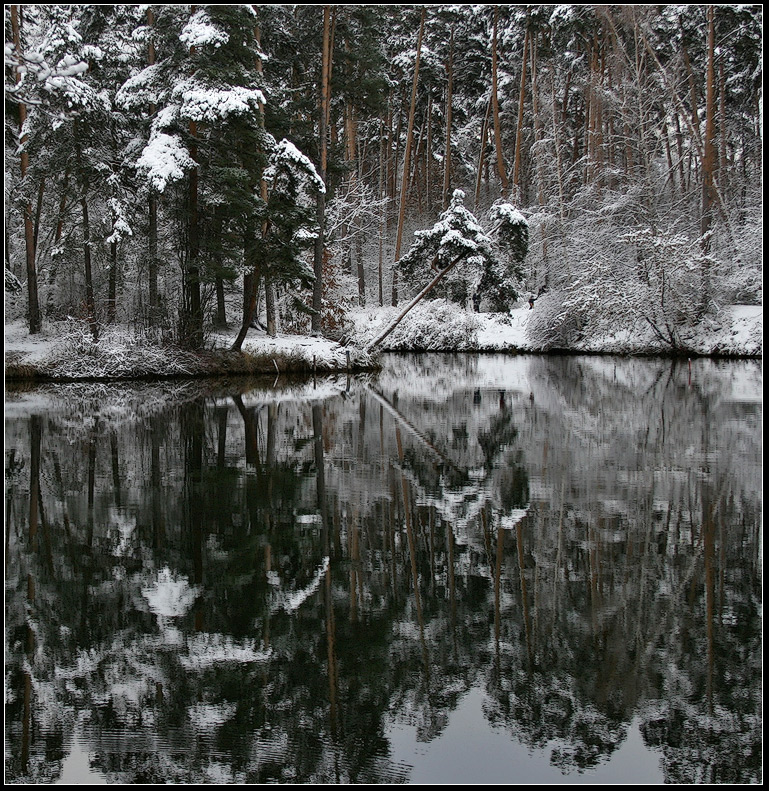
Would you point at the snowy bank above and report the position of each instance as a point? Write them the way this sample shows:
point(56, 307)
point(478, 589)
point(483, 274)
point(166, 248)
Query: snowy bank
point(436, 325)
point(65, 351)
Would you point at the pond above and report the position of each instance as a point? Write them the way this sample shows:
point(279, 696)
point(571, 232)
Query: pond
point(470, 568)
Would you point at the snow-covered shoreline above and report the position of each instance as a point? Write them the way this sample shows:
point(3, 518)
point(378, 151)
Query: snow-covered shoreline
point(737, 331)
point(64, 352)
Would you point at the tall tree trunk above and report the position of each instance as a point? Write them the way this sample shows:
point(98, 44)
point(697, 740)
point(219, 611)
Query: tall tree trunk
point(193, 308)
point(361, 269)
point(152, 240)
point(538, 136)
point(538, 132)
point(251, 282)
point(221, 305)
point(557, 147)
point(429, 157)
point(112, 284)
point(723, 159)
point(253, 276)
point(325, 88)
point(192, 324)
point(449, 101)
point(354, 167)
point(519, 124)
point(90, 301)
point(482, 152)
point(383, 214)
point(270, 307)
point(35, 320)
point(407, 159)
point(709, 162)
point(38, 210)
point(495, 107)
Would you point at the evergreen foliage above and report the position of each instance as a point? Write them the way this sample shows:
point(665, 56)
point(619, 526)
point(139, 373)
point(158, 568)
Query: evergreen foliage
point(459, 235)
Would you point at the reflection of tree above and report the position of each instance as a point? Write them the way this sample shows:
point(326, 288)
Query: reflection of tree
point(331, 566)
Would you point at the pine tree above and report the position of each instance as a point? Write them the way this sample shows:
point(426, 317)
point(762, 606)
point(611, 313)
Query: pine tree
point(459, 252)
point(206, 138)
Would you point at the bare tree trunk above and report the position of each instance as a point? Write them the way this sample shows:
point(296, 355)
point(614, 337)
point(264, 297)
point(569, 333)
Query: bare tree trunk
point(250, 291)
point(538, 133)
point(449, 101)
point(361, 271)
point(407, 158)
point(112, 284)
point(482, 152)
point(35, 320)
point(252, 278)
point(193, 309)
point(383, 216)
point(429, 157)
point(325, 87)
point(709, 161)
point(423, 293)
point(90, 302)
point(152, 241)
point(723, 160)
point(519, 124)
point(270, 307)
point(495, 107)
point(38, 210)
point(557, 146)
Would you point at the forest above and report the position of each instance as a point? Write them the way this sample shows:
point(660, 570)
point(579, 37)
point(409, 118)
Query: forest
point(176, 170)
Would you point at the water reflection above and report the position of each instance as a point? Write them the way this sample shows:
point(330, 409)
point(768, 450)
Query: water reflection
point(242, 584)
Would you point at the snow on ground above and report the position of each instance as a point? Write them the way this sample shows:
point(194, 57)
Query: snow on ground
point(29, 348)
point(318, 351)
point(501, 331)
point(746, 325)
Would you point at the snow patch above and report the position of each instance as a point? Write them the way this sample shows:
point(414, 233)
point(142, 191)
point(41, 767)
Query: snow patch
point(170, 596)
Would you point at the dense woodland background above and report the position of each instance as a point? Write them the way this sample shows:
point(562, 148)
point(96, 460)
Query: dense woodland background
point(165, 165)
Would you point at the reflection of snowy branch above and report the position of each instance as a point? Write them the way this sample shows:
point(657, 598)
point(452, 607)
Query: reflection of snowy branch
point(205, 650)
point(293, 600)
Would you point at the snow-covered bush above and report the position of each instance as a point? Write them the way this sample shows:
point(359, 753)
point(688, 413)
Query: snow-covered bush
point(14, 296)
point(435, 325)
point(741, 277)
point(118, 353)
point(551, 325)
point(644, 291)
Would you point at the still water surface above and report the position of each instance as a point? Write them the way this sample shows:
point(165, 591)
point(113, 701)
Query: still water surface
point(480, 569)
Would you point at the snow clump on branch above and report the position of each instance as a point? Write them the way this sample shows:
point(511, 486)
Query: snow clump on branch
point(210, 105)
point(200, 32)
point(164, 160)
point(287, 155)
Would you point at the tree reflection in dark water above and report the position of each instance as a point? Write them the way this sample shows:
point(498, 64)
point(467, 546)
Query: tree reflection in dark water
point(240, 584)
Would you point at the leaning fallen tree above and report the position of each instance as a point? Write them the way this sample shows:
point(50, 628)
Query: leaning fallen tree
point(418, 298)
